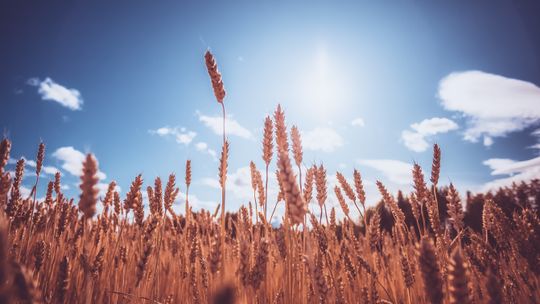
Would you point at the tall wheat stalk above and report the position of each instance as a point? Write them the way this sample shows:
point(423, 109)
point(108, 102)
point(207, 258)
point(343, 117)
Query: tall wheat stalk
point(219, 93)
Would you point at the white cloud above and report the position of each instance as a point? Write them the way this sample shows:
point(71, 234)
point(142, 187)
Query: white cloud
point(394, 170)
point(50, 90)
point(72, 161)
point(488, 141)
point(45, 169)
point(322, 139)
point(493, 105)
point(25, 191)
point(535, 146)
point(358, 122)
point(515, 171)
point(203, 147)
point(238, 183)
point(434, 126)
point(416, 140)
point(163, 131)
point(536, 133)
point(29, 162)
point(29, 173)
point(232, 127)
point(211, 182)
point(504, 166)
point(185, 138)
point(181, 135)
point(50, 170)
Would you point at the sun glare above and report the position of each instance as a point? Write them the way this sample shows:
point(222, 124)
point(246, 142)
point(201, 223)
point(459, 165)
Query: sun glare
point(323, 88)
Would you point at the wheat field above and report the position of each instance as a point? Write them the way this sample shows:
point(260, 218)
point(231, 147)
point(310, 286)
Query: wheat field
point(431, 246)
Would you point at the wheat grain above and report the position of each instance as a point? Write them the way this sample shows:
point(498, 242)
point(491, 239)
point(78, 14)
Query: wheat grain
point(436, 166)
point(297, 146)
point(215, 76)
point(294, 199)
point(89, 180)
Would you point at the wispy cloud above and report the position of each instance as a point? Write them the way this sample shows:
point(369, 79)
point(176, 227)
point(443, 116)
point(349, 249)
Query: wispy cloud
point(203, 147)
point(50, 170)
point(29, 162)
point(322, 139)
point(535, 146)
point(50, 90)
point(536, 133)
point(25, 191)
point(494, 105)
point(358, 122)
point(45, 169)
point(416, 139)
point(238, 184)
point(72, 161)
point(395, 171)
point(233, 127)
point(515, 171)
point(180, 135)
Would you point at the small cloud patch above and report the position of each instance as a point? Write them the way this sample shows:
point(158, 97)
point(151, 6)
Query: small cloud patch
point(515, 171)
point(322, 139)
point(396, 171)
point(232, 127)
point(358, 122)
point(203, 147)
point(416, 139)
point(72, 161)
point(50, 90)
point(180, 135)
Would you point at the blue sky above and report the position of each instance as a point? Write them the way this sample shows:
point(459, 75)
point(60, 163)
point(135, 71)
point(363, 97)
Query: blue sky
point(371, 86)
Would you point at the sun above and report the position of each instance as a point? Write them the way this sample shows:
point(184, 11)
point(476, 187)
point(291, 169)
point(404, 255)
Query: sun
point(323, 87)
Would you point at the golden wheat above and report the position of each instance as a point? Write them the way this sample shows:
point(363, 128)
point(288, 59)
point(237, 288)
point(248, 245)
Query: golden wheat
point(426, 247)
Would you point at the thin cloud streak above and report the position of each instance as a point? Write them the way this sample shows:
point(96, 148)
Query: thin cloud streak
point(233, 127)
